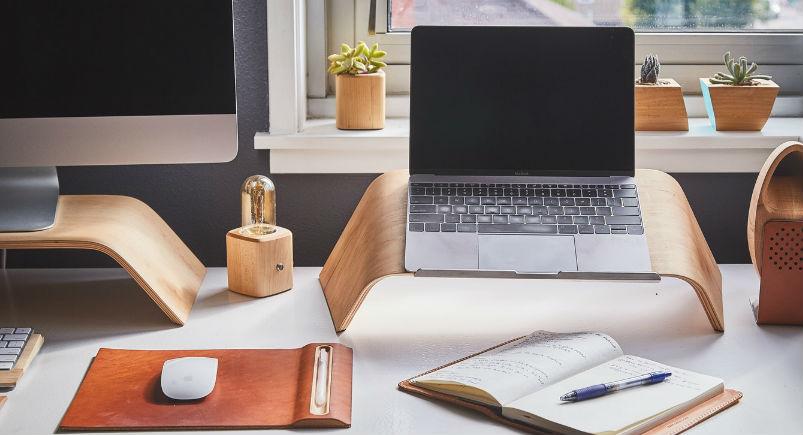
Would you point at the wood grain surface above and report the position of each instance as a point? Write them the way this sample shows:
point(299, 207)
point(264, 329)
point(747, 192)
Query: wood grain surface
point(9, 378)
point(780, 299)
point(255, 388)
point(360, 101)
point(371, 246)
point(259, 265)
point(661, 107)
point(741, 108)
point(775, 236)
point(777, 195)
point(677, 245)
point(131, 233)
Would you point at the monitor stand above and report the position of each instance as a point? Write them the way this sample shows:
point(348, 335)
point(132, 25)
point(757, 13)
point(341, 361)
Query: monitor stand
point(131, 233)
point(28, 198)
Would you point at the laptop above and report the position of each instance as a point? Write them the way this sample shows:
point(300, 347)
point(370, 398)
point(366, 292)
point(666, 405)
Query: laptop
point(522, 154)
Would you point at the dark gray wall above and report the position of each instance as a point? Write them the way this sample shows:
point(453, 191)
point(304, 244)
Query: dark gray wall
point(201, 202)
point(721, 202)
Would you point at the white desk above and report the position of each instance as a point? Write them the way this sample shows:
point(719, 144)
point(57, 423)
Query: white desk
point(405, 327)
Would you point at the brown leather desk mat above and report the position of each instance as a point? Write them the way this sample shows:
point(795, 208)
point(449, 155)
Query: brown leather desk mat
point(255, 388)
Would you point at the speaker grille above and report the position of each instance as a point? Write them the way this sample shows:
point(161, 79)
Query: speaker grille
point(786, 248)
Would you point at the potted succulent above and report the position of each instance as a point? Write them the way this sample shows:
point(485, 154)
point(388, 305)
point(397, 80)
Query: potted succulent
point(359, 87)
point(659, 102)
point(739, 100)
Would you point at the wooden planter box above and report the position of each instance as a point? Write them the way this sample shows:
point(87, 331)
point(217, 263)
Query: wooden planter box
point(360, 101)
point(739, 108)
point(660, 107)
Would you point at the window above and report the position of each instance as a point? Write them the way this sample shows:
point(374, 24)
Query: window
point(642, 15)
point(689, 36)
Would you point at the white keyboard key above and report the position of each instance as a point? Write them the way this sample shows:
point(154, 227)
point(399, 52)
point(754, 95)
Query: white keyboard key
point(6, 330)
point(16, 343)
point(23, 331)
point(10, 351)
point(11, 337)
point(3, 344)
point(6, 365)
point(8, 358)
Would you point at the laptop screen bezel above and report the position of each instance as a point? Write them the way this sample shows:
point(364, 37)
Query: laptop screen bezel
point(425, 37)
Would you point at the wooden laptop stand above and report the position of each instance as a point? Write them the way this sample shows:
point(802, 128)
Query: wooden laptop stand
point(130, 232)
point(371, 246)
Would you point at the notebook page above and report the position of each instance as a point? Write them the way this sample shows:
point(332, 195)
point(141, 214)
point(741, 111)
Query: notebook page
point(623, 409)
point(527, 365)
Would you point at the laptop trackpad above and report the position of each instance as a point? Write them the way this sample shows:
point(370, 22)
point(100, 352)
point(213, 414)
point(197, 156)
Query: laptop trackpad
point(527, 253)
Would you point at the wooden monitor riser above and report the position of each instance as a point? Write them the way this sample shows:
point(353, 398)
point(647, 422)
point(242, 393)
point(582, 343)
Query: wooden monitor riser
point(371, 246)
point(131, 233)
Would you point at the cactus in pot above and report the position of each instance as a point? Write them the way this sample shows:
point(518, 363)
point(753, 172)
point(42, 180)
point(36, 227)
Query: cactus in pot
point(659, 102)
point(740, 99)
point(739, 73)
point(357, 60)
point(649, 70)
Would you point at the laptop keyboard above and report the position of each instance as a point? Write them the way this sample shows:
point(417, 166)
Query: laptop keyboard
point(524, 208)
point(12, 343)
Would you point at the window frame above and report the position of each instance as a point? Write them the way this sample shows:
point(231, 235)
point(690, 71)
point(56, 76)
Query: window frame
point(298, 33)
point(302, 32)
point(681, 54)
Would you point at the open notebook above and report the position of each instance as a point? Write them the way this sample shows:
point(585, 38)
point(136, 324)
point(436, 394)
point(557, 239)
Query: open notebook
point(523, 380)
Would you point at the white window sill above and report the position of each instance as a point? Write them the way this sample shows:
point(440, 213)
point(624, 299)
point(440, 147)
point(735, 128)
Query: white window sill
point(322, 148)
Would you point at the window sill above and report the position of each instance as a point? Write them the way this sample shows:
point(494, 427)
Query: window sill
point(322, 148)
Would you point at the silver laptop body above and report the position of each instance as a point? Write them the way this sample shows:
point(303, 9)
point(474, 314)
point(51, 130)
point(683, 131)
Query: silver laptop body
point(512, 173)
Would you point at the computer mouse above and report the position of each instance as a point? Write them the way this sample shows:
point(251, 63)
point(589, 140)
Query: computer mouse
point(189, 378)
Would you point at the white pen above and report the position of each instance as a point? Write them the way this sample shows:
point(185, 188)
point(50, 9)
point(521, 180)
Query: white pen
point(323, 376)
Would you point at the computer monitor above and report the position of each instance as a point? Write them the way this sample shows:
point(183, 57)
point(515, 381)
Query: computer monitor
point(98, 82)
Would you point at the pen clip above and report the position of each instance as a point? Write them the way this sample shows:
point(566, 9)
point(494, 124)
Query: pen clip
point(321, 381)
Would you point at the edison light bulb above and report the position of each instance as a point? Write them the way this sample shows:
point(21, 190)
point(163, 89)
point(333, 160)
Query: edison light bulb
point(258, 196)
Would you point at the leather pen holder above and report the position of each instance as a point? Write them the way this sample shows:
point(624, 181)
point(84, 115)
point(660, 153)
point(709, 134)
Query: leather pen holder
point(259, 262)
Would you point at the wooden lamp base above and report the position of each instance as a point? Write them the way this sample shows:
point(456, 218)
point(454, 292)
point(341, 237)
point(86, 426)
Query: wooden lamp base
point(259, 265)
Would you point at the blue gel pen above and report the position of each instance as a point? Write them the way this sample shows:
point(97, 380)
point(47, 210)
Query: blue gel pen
point(603, 389)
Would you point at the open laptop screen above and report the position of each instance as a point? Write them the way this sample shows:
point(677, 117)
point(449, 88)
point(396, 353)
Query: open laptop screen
point(522, 101)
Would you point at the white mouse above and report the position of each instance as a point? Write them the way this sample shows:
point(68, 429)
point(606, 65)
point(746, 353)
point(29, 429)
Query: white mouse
point(189, 378)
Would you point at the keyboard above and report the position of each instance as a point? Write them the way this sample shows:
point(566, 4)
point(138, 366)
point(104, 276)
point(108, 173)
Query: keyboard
point(12, 342)
point(489, 208)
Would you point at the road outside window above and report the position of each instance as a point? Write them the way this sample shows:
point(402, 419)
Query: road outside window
point(642, 15)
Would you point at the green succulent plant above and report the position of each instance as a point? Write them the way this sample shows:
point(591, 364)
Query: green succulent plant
point(650, 69)
point(740, 73)
point(357, 60)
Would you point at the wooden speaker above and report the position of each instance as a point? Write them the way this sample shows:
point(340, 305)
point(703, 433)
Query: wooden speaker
point(775, 236)
point(781, 293)
point(259, 261)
